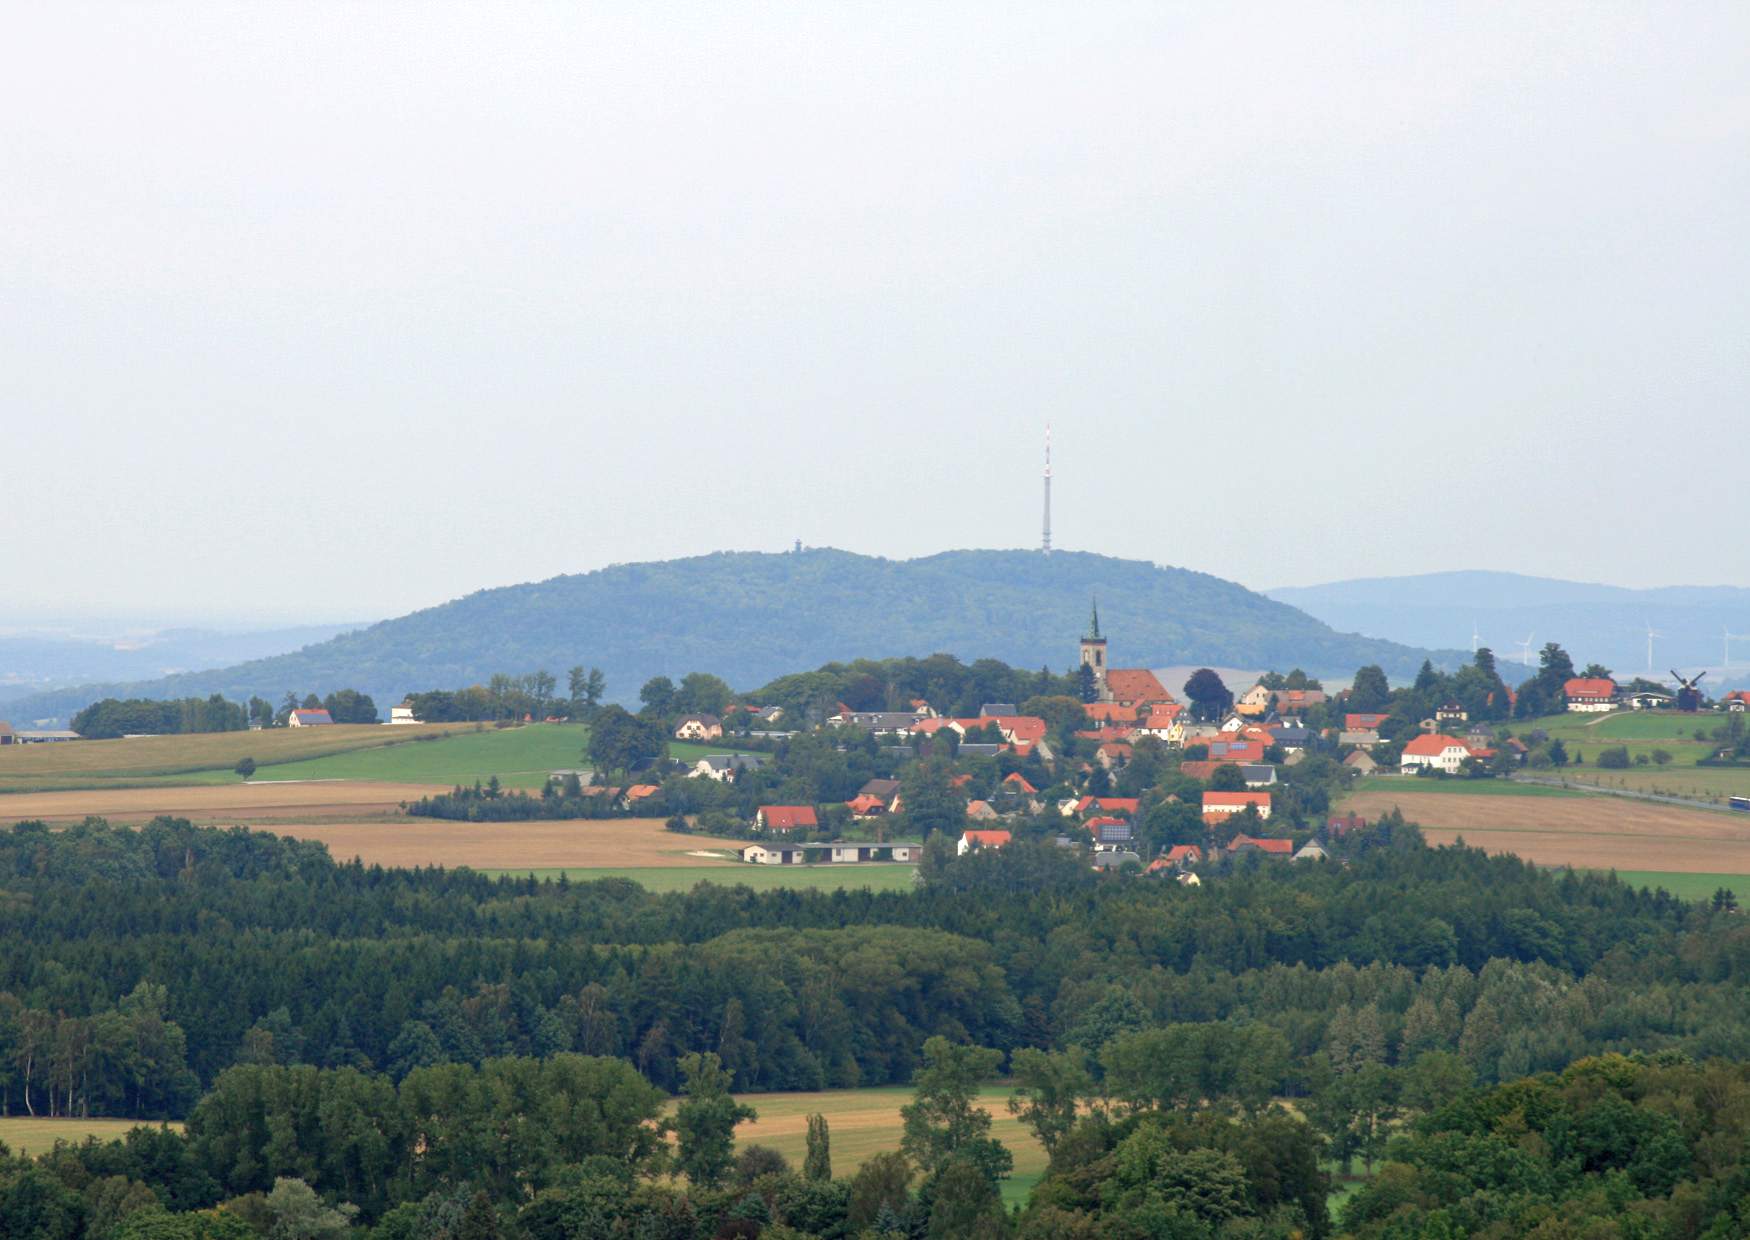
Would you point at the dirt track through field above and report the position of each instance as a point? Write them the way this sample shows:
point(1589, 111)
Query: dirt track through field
point(227, 804)
point(590, 843)
point(1589, 832)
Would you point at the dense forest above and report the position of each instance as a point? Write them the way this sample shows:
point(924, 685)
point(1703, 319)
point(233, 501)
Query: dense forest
point(750, 617)
point(392, 1019)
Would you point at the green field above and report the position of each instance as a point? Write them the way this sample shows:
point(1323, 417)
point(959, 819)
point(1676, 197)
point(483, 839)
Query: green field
point(862, 1122)
point(24, 1135)
point(1411, 785)
point(1689, 886)
point(1696, 783)
point(200, 758)
point(520, 757)
point(759, 877)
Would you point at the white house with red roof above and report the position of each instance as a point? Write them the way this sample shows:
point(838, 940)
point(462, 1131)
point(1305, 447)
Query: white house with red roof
point(1590, 694)
point(972, 841)
point(1219, 805)
point(1436, 750)
point(786, 818)
point(308, 718)
point(1738, 700)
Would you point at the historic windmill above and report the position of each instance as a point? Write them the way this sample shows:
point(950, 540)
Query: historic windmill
point(1688, 696)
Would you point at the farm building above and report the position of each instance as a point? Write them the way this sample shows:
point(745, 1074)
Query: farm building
point(838, 853)
point(1221, 804)
point(1270, 848)
point(1361, 761)
point(44, 736)
point(7, 735)
point(308, 719)
point(402, 714)
point(772, 854)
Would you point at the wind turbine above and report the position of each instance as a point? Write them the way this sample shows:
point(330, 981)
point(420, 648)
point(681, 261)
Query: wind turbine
point(1730, 638)
point(1525, 649)
point(1650, 636)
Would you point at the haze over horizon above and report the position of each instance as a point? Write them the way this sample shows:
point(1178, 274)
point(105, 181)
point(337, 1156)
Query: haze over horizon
point(322, 312)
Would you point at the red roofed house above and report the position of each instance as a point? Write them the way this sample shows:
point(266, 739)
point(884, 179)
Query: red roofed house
point(1738, 700)
point(1178, 857)
point(1296, 701)
point(1017, 782)
point(1270, 848)
point(1221, 804)
point(1114, 754)
point(1236, 751)
point(308, 718)
point(866, 806)
point(1135, 686)
point(1364, 721)
point(1437, 750)
point(786, 817)
point(1108, 805)
point(640, 792)
point(971, 841)
point(1590, 694)
point(1109, 712)
point(1108, 732)
point(981, 811)
point(1020, 729)
point(1198, 768)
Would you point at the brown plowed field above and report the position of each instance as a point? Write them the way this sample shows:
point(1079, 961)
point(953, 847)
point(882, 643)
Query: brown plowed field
point(225, 804)
point(1584, 832)
point(588, 843)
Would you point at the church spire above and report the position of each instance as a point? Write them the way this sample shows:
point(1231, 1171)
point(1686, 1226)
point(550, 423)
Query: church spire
point(1094, 620)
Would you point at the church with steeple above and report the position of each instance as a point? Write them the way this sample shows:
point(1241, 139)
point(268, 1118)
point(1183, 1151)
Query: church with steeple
point(1134, 687)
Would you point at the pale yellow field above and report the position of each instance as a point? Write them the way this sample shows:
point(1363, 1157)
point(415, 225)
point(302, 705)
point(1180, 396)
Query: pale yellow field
point(1593, 832)
point(24, 1135)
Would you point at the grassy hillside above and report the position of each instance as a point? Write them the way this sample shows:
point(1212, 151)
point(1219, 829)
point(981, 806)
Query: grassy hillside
point(151, 759)
point(750, 617)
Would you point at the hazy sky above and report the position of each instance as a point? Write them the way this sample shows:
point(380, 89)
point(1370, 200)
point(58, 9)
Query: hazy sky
point(316, 311)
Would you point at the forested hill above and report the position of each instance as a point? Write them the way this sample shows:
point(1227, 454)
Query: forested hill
point(751, 616)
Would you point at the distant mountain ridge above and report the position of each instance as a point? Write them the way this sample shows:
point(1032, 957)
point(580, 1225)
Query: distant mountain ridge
point(1594, 622)
point(752, 616)
point(35, 660)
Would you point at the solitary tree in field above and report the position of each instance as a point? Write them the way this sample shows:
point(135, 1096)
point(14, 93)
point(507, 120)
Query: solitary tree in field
point(245, 767)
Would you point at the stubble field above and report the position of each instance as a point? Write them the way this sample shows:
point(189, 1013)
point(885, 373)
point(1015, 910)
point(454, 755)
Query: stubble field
point(1586, 832)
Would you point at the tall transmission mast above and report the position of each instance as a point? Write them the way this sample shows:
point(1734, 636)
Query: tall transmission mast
point(1045, 542)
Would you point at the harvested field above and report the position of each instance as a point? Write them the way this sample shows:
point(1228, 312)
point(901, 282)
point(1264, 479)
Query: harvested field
point(1585, 832)
point(586, 843)
point(862, 1122)
point(222, 804)
point(24, 1135)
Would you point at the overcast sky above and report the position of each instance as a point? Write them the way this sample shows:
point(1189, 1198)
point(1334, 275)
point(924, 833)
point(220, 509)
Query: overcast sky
point(316, 311)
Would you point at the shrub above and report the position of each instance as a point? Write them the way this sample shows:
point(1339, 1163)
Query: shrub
point(1614, 758)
